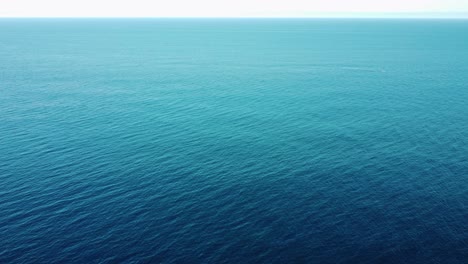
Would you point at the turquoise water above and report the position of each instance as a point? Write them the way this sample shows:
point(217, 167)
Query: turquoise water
point(233, 141)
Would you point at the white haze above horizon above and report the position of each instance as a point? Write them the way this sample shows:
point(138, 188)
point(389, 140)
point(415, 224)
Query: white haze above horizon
point(238, 8)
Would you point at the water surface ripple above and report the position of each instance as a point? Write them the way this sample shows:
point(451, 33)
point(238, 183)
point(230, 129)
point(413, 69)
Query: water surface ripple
point(233, 141)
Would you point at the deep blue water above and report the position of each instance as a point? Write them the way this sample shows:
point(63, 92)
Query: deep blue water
point(233, 141)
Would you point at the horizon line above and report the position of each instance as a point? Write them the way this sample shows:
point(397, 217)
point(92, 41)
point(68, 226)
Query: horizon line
point(317, 15)
point(239, 17)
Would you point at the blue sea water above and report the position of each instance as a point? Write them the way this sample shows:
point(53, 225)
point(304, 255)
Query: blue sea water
point(233, 141)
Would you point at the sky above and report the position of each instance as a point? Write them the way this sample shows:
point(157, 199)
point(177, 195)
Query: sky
point(234, 8)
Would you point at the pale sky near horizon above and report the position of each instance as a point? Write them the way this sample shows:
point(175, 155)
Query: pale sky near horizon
point(231, 8)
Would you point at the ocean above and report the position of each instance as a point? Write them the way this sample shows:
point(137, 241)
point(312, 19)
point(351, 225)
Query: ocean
point(233, 141)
